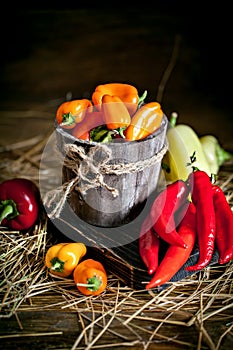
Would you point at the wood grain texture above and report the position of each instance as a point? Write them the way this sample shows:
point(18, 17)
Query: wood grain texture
point(98, 206)
point(56, 52)
point(117, 248)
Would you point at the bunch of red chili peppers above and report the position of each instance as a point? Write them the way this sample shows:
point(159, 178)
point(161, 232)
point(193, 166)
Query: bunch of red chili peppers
point(193, 211)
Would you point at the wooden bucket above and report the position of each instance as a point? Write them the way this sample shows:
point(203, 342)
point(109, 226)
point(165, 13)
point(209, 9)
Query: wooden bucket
point(111, 181)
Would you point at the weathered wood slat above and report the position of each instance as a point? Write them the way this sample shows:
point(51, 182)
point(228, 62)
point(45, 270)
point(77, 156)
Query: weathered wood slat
point(98, 205)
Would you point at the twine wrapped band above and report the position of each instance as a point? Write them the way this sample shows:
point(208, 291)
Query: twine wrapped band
point(89, 169)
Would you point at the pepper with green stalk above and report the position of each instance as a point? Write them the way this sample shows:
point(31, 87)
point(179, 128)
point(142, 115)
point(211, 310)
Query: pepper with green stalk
point(19, 203)
point(183, 144)
point(215, 154)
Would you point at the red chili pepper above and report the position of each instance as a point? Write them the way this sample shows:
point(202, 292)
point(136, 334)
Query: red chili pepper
point(149, 244)
point(175, 257)
point(202, 197)
point(163, 211)
point(19, 203)
point(224, 225)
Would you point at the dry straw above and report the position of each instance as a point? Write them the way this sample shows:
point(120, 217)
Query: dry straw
point(130, 318)
point(121, 317)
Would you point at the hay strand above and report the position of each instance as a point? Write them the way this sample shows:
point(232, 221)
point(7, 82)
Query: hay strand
point(193, 302)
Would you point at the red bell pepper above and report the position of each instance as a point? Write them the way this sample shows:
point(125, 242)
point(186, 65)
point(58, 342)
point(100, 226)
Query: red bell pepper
point(19, 203)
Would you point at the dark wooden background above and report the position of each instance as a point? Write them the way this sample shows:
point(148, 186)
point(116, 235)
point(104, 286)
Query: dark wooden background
point(56, 51)
point(49, 52)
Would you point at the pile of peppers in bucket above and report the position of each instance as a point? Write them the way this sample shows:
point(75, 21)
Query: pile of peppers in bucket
point(193, 211)
point(115, 111)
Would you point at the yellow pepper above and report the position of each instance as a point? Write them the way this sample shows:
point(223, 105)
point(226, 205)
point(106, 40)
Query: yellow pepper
point(184, 147)
point(145, 121)
point(62, 258)
point(90, 277)
point(126, 92)
point(70, 113)
point(115, 113)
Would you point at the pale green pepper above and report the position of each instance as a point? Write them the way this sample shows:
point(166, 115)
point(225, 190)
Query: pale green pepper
point(184, 152)
point(214, 153)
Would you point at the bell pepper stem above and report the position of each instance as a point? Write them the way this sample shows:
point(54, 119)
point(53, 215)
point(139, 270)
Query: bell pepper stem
point(57, 265)
point(93, 284)
point(222, 155)
point(121, 131)
point(142, 98)
point(173, 119)
point(8, 210)
point(68, 119)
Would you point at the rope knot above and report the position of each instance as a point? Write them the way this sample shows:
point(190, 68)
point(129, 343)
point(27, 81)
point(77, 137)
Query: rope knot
point(89, 168)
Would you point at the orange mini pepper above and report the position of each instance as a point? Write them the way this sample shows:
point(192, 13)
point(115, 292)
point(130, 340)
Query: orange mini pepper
point(126, 92)
point(115, 112)
point(144, 122)
point(90, 277)
point(62, 258)
point(92, 120)
point(70, 113)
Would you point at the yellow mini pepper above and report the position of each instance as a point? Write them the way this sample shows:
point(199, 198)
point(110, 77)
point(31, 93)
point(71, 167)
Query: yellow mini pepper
point(90, 277)
point(62, 258)
point(145, 121)
point(115, 112)
point(70, 113)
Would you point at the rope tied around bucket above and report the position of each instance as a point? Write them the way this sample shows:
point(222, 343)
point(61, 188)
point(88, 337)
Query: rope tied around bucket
point(89, 168)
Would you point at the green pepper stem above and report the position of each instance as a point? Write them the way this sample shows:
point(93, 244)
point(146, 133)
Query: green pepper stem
point(121, 131)
point(142, 98)
point(57, 264)
point(222, 155)
point(68, 119)
point(93, 283)
point(173, 119)
point(8, 210)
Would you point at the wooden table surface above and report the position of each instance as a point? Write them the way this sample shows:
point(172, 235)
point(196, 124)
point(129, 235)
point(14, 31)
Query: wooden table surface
point(58, 52)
